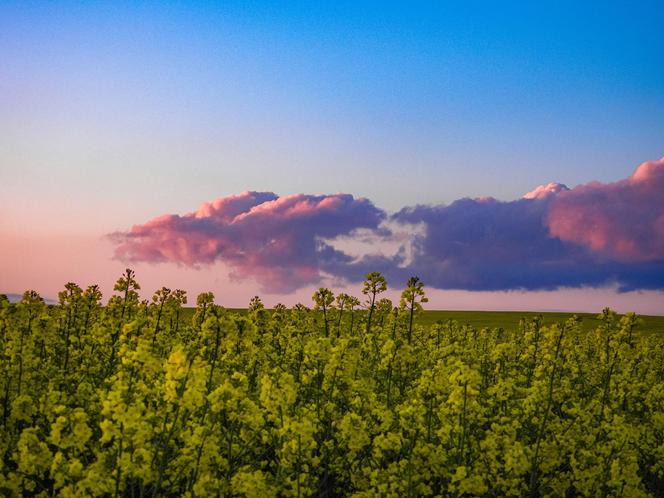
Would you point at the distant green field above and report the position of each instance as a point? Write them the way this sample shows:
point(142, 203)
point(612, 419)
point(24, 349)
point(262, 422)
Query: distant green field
point(510, 319)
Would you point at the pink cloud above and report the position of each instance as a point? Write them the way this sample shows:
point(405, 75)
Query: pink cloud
point(544, 191)
point(592, 235)
point(621, 221)
point(276, 240)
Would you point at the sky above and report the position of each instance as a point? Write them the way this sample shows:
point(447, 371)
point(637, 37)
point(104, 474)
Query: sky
point(271, 148)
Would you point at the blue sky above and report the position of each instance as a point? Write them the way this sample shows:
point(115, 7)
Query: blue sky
point(114, 112)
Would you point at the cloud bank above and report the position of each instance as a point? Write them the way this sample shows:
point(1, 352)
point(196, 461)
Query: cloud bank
point(596, 235)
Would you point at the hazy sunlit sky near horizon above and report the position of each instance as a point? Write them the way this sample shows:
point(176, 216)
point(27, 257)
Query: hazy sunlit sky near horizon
point(115, 113)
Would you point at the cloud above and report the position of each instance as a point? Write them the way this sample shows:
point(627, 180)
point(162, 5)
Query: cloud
point(475, 245)
point(544, 191)
point(622, 221)
point(591, 235)
point(276, 240)
point(553, 237)
point(485, 244)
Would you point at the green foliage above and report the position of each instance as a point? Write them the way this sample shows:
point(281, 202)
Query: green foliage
point(411, 301)
point(323, 300)
point(132, 399)
point(374, 284)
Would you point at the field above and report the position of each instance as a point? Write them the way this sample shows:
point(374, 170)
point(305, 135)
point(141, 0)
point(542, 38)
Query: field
point(508, 320)
point(147, 399)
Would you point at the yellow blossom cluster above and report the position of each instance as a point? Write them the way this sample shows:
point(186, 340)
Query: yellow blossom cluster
point(143, 398)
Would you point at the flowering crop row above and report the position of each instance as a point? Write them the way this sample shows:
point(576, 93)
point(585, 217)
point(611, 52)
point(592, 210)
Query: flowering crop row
point(129, 399)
